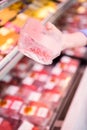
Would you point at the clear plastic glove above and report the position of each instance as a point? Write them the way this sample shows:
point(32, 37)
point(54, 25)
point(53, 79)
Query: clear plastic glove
point(39, 42)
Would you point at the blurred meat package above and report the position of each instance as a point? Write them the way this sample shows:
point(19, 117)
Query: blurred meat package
point(37, 42)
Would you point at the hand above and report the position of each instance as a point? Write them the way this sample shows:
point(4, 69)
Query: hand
point(57, 44)
point(66, 40)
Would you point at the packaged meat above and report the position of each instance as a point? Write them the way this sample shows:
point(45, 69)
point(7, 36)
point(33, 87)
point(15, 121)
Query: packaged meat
point(28, 94)
point(37, 112)
point(10, 106)
point(37, 42)
point(51, 97)
point(8, 123)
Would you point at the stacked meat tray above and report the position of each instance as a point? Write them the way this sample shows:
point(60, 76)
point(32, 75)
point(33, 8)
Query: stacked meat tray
point(34, 96)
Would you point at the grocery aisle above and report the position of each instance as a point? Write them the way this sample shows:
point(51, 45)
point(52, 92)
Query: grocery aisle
point(34, 96)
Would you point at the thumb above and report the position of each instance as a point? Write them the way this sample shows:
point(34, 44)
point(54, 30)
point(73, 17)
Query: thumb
point(50, 27)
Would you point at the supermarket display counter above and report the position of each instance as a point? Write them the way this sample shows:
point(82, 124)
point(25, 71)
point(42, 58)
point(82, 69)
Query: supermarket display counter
point(38, 97)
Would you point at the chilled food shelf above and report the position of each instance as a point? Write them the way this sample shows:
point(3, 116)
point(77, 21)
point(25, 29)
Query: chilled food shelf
point(6, 3)
point(34, 89)
point(14, 53)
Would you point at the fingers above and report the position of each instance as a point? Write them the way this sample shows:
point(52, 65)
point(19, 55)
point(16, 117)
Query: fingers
point(52, 28)
point(49, 26)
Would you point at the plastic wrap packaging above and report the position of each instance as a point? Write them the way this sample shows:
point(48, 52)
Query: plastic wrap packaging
point(37, 42)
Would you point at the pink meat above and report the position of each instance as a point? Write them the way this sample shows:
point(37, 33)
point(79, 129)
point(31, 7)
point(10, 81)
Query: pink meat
point(5, 126)
point(33, 28)
point(36, 43)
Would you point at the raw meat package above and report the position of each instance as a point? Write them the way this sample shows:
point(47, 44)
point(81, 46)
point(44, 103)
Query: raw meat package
point(37, 42)
point(8, 123)
point(39, 113)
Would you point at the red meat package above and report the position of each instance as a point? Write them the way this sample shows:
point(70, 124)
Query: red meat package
point(36, 42)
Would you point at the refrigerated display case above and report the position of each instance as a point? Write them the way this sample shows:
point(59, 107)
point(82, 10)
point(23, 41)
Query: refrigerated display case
point(28, 91)
point(34, 96)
